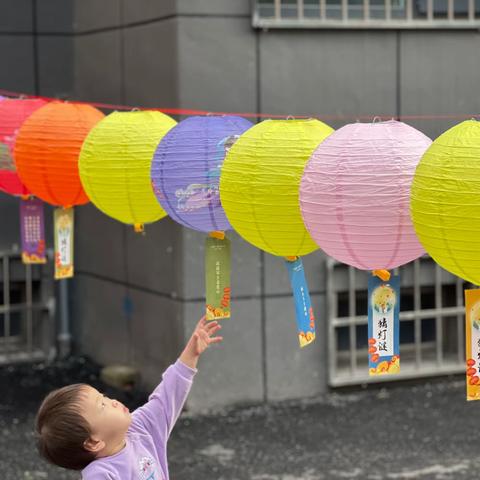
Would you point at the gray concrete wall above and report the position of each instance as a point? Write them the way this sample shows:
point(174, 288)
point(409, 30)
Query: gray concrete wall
point(124, 299)
point(127, 306)
point(204, 54)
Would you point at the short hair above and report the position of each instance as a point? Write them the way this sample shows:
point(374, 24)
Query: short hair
point(62, 430)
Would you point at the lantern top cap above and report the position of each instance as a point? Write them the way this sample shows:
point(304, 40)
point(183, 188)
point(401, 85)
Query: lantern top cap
point(381, 122)
point(292, 120)
point(134, 111)
point(210, 116)
point(376, 123)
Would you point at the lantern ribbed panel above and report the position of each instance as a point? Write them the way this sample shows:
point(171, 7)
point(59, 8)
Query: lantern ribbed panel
point(47, 149)
point(186, 170)
point(445, 200)
point(115, 165)
point(355, 194)
point(259, 184)
point(12, 115)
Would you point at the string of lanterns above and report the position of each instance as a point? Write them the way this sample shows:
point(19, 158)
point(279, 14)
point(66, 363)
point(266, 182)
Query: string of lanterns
point(372, 195)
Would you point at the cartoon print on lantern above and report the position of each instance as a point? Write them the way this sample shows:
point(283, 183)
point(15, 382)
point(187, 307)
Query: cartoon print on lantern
point(200, 195)
point(6, 148)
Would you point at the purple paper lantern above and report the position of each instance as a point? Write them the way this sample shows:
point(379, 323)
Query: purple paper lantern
point(186, 170)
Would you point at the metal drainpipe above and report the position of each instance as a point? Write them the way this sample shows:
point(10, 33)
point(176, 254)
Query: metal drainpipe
point(64, 337)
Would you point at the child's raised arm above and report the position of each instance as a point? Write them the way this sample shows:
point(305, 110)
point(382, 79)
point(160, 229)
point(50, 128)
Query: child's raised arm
point(159, 414)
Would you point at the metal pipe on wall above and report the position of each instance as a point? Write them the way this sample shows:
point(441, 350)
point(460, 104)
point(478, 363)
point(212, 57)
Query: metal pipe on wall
point(64, 337)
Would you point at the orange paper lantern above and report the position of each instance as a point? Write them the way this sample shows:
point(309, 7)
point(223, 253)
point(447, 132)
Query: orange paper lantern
point(47, 150)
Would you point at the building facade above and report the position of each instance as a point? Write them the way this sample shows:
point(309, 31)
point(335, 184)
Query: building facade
point(136, 298)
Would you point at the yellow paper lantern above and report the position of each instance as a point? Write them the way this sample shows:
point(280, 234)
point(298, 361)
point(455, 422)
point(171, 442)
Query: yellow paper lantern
point(445, 200)
point(260, 181)
point(115, 165)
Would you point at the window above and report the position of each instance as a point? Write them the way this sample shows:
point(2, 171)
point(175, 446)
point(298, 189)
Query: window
point(432, 332)
point(367, 13)
point(26, 311)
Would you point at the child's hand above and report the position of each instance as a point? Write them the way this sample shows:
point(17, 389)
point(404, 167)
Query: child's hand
point(200, 340)
point(203, 335)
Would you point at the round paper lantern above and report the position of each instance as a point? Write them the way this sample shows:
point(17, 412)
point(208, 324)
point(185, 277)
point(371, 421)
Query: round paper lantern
point(47, 149)
point(12, 115)
point(259, 184)
point(186, 170)
point(445, 200)
point(355, 192)
point(115, 165)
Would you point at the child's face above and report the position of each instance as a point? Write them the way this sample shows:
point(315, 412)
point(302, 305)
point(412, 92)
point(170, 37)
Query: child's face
point(109, 419)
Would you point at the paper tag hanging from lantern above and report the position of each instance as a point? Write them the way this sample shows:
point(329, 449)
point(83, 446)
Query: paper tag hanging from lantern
point(472, 347)
point(217, 278)
point(63, 220)
point(303, 306)
point(32, 228)
point(383, 326)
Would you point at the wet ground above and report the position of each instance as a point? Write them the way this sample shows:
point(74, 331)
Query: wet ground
point(425, 431)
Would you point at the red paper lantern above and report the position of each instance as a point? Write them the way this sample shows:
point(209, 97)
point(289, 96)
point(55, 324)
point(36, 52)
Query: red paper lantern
point(13, 112)
point(47, 149)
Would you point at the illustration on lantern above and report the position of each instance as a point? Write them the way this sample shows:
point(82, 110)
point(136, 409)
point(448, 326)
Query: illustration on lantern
point(202, 195)
point(6, 149)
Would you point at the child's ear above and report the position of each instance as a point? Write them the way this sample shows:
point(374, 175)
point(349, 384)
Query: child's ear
point(93, 445)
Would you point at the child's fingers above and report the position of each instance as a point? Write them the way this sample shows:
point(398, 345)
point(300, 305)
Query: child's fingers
point(211, 326)
point(214, 330)
point(202, 321)
point(210, 329)
point(215, 339)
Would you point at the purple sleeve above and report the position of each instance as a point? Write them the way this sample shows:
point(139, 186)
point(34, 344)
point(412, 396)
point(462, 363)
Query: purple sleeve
point(159, 414)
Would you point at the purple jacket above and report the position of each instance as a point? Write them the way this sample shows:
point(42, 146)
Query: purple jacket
point(145, 454)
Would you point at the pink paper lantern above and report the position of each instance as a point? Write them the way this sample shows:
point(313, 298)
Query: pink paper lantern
point(355, 194)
